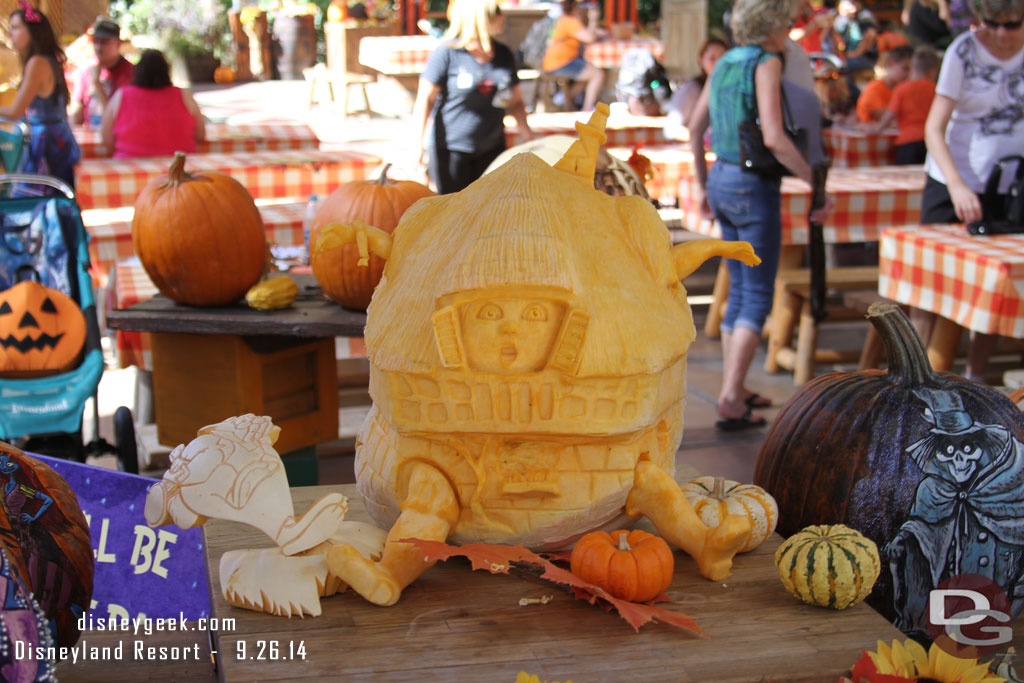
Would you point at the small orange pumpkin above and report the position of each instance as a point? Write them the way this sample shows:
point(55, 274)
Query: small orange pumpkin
point(631, 565)
point(224, 74)
point(199, 237)
point(42, 331)
point(337, 10)
point(379, 203)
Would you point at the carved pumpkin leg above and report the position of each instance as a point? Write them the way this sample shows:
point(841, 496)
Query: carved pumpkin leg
point(429, 511)
point(657, 496)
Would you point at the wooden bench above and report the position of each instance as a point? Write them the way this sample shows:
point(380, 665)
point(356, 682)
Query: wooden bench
point(793, 307)
point(547, 86)
point(340, 81)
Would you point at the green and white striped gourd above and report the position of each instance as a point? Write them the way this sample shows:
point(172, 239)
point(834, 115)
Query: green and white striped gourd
point(828, 565)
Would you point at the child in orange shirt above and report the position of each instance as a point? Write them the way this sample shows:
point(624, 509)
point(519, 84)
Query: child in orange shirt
point(875, 98)
point(909, 107)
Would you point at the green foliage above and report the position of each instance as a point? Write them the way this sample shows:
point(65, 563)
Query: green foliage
point(179, 27)
point(716, 9)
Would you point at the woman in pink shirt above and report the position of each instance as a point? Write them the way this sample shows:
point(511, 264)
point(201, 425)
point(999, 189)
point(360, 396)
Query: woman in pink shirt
point(151, 117)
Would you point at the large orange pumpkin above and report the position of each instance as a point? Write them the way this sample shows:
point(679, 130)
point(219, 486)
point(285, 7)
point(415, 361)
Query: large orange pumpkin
point(631, 565)
point(379, 203)
point(199, 237)
point(42, 331)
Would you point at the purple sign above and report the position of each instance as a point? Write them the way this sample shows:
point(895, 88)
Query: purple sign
point(140, 572)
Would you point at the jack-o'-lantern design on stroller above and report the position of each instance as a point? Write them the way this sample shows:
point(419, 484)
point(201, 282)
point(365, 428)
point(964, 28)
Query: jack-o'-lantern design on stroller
point(528, 361)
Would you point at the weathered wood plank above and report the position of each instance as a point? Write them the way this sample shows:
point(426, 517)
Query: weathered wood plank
point(462, 625)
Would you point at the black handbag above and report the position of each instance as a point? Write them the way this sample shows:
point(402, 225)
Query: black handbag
point(754, 155)
point(1002, 213)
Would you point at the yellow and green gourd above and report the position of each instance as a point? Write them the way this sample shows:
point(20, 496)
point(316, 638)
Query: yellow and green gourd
point(277, 292)
point(828, 565)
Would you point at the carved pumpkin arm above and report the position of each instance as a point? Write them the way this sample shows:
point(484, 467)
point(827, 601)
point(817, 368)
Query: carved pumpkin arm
point(368, 239)
point(689, 256)
point(429, 511)
point(657, 496)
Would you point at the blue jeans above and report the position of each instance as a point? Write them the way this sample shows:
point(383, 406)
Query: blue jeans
point(748, 208)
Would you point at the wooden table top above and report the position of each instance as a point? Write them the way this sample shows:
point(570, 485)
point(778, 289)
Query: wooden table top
point(462, 625)
point(311, 316)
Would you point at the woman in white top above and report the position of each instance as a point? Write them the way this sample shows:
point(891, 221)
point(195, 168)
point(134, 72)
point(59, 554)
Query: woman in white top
point(976, 118)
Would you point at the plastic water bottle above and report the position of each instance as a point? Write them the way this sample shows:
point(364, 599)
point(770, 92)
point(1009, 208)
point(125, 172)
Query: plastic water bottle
point(307, 222)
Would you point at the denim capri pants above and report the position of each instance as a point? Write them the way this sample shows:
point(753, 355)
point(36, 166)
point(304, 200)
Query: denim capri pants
point(748, 208)
point(572, 70)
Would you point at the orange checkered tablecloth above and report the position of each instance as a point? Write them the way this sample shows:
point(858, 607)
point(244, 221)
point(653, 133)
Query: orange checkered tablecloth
point(974, 281)
point(607, 54)
point(108, 183)
point(403, 55)
point(622, 130)
point(223, 138)
point(866, 201)
point(130, 285)
point(853, 148)
point(110, 232)
point(396, 55)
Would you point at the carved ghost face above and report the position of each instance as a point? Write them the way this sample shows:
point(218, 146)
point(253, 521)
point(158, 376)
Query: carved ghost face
point(960, 454)
point(510, 335)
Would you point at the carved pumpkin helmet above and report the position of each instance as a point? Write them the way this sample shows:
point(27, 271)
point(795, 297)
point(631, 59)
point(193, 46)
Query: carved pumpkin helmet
point(42, 331)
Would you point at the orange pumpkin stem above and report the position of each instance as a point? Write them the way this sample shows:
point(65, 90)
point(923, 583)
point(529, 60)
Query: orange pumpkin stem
point(623, 543)
point(176, 173)
point(383, 179)
point(718, 488)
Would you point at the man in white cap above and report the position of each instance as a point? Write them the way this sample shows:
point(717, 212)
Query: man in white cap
point(96, 82)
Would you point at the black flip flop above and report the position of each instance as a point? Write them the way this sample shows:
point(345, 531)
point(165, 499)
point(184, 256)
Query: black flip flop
point(745, 421)
point(756, 400)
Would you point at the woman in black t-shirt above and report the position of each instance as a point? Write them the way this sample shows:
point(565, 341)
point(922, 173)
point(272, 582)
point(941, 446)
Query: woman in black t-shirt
point(469, 83)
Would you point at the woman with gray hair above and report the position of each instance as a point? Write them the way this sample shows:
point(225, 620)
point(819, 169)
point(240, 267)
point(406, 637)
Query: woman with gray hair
point(976, 118)
point(746, 84)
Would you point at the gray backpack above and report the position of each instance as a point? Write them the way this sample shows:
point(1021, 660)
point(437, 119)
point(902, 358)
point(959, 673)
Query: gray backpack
point(535, 44)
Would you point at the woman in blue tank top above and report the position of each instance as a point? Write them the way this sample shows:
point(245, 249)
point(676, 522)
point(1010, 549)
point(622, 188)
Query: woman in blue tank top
point(746, 205)
point(42, 100)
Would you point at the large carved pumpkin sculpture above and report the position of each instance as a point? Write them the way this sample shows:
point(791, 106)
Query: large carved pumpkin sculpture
point(927, 465)
point(200, 237)
point(42, 331)
point(528, 360)
point(46, 537)
point(379, 203)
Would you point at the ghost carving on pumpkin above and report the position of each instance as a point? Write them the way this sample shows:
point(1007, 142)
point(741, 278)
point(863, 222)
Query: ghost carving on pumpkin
point(966, 515)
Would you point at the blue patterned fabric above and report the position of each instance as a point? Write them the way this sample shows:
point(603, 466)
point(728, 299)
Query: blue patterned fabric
point(732, 98)
point(52, 148)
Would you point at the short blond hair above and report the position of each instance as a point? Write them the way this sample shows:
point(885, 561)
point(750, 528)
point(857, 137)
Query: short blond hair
point(471, 20)
point(754, 21)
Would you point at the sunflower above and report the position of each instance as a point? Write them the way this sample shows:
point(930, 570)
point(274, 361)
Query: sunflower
point(907, 662)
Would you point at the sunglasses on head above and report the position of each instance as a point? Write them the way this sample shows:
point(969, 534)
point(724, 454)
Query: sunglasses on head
point(1008, 25)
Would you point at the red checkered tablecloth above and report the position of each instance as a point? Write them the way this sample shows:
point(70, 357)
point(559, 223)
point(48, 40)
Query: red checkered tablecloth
point(866, 201)
point(974, 281)
point(396, 55)
point(623, 130)
point(853, 148)
point(107, 183)
point(110, 232)
point(223, 138)
point(607, 54)
point(130, 285)
point(403, 55)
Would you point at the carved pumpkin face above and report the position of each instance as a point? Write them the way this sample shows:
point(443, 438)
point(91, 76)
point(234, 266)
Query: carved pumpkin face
point(41, 330)
point(510, 334)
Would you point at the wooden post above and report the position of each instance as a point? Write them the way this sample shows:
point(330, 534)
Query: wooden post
point(683, 29)
point(262, 29)
point(240, 43)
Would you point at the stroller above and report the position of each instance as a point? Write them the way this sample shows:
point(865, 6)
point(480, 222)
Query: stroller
point(44, 235)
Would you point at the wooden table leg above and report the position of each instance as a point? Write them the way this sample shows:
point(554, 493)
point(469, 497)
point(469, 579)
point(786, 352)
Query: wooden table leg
point(719, 295)
point(942, 345)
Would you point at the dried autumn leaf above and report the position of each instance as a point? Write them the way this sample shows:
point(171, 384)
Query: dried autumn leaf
point(497, 559)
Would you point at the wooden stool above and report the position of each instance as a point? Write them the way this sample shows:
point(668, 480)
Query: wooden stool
point(546, 89)
point(319, 74)
point(793, 307)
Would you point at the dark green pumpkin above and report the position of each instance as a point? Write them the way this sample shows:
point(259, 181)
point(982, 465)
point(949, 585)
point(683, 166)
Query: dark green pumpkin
point(838, 454)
